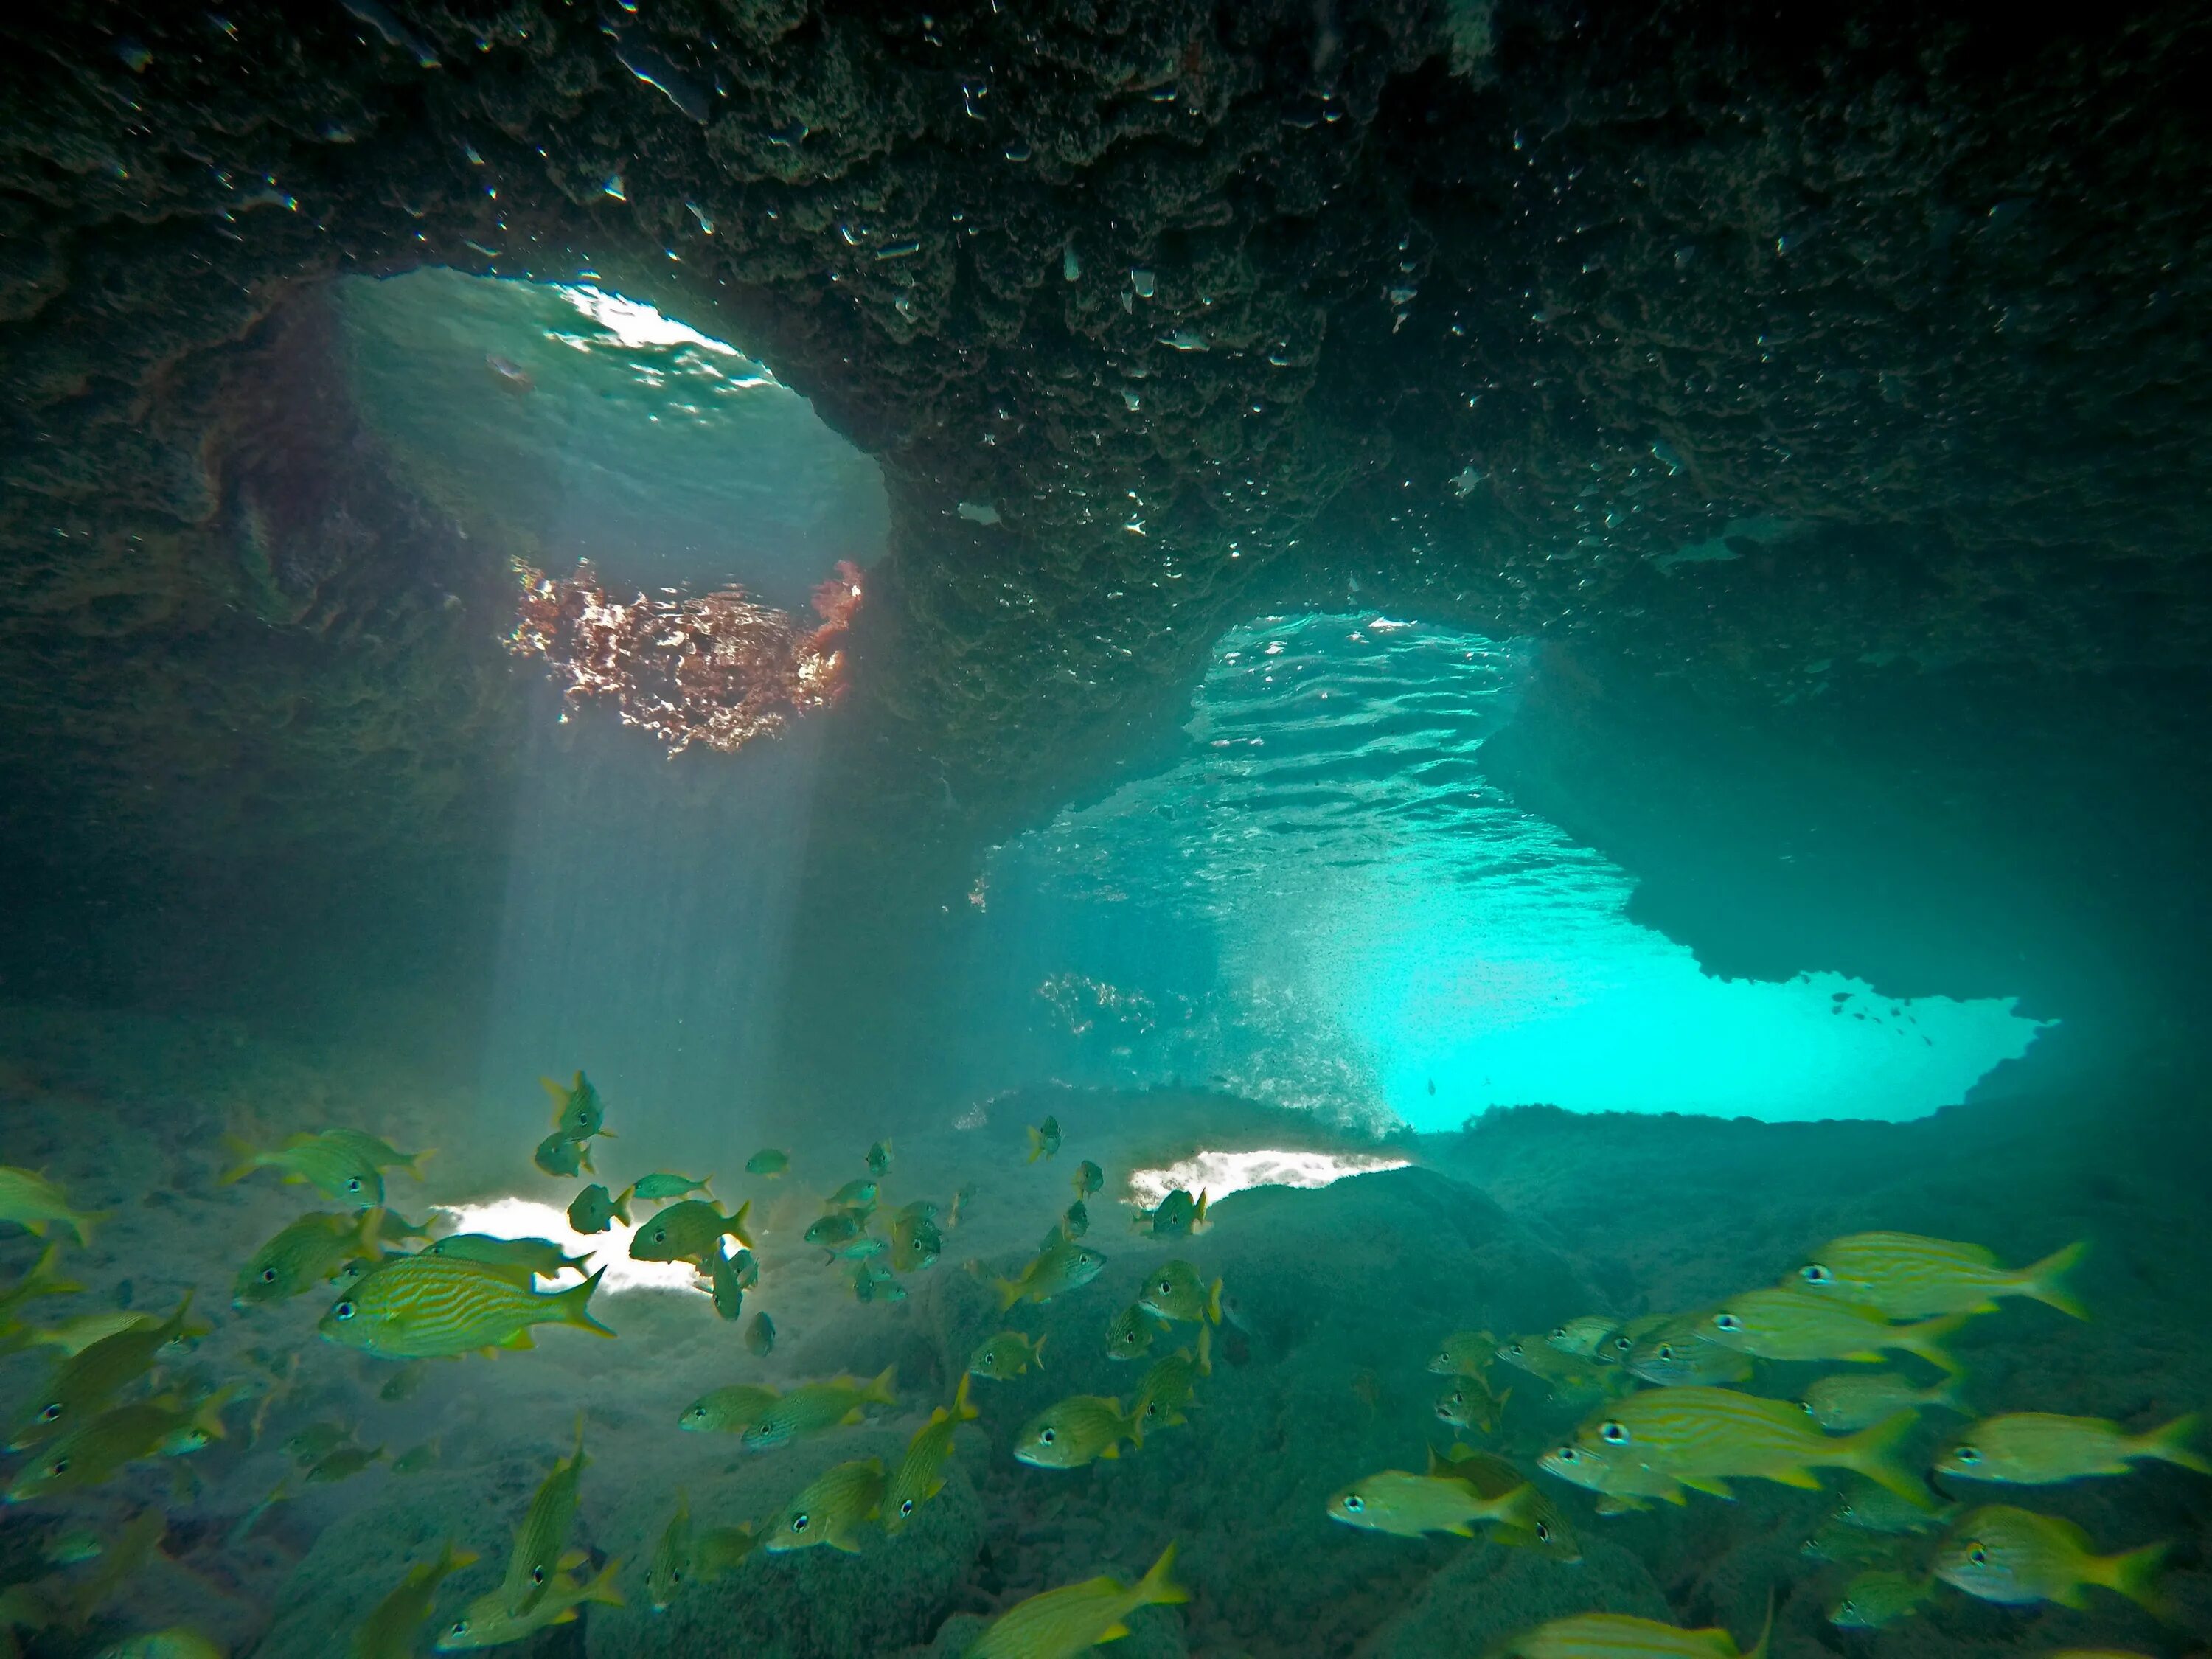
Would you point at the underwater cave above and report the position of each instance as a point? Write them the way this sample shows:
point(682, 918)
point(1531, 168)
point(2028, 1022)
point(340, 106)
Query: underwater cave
point(1245, 785)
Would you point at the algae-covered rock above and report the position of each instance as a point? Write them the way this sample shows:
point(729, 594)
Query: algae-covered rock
point(1489, 1592)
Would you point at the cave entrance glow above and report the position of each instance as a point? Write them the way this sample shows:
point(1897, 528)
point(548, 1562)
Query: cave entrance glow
point(1324, 903)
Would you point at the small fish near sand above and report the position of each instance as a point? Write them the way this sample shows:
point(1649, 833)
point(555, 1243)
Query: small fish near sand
point(1562, 1373)
point(687, 1231)
point(1464, 1353)
point(833, 1230)
point(1624, 1636)
point(1129, 1333)
point(1063, 1266)
point(393, 1627)
point(1044, 1140)
point(540, 1540)
point(341, 1165)
point(683, 1557)
point(729, 1411)
point(2015, 1557)
point(1466, 1402)
point(1060, 1624)
point(1088, 1178)
point(1175, 1291)
point(522, 1259)
point(830, 1510)
point(769, 1163)
point(1540, 1526)
point(485, 1623)
point(662, 1188)
point(1907, 1276)
point(1879, 1596)
point(579, 1114)
point(423, 1307)
point(2041, 1449)
point(560, 1157)
point(1008, 1355)
point(1176, 1216)
point(310, 1251)
point(1076, 1431)
point(919, 1475)
point(1408, 1505)
point(879, 1159)
point(1580, 1337)
point(1842, 1404)
point(1172, 1382)
point(31, 1202)
point(760, 1335)
point(812, 1407)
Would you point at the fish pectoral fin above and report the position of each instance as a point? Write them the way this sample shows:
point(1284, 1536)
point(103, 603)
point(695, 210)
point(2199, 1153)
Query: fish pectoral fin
point(1460, 1529)
point(1113, 1450)
point(844, 1544)
point(1712, 1486)
point(1113, 1632)
point(1804, 1479)
point(2072, 1596)
point(521, 1339)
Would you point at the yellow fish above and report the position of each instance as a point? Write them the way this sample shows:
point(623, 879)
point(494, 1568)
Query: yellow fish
point(422, 1307)
point(830, 1510)
point(1076, 1431)
point(1063, 1266)
point(1622, 1484)
point(688, 1231)
point(578, 1112)
point(1582, 1337)
point(1175, 1291)
point(1905, 1276)
point(1060, 1623)
point(920, 1473)
point(813, 1407)
point(177, 1641)
point(1408, 1505)
point(1841, 1404)
point(1795, 1325)
point(539, 1540)
point(35, 1203)
point(1703, 1438)
point(1623, 1636)
point(73, 1336)
point(486, 1624)
point(304, 1254)
point(390, 1631)
point(2039, 1448)
point(1878, 1597)
point(729, 1411)
point(1540, 1526)
point(1005, 1356)
point(1168, 1385)
point(88, 1379)
point(2016, 1557)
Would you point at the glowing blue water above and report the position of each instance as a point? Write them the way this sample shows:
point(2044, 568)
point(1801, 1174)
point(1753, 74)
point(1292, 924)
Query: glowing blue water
point(1324, 902)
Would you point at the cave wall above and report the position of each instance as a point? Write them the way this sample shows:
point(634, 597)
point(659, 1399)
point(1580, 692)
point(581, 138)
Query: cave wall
point(1896, 316)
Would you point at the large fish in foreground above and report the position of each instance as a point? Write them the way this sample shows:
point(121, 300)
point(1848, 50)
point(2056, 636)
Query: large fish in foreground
point(2041, 1449)
point(422, 1307)
point(1704, 1437)
point(2016, 1557)
point(1906, 1276)
point(1059, 1624)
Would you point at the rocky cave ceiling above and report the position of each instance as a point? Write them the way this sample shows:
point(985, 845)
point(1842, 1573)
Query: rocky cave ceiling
point(1896, 311)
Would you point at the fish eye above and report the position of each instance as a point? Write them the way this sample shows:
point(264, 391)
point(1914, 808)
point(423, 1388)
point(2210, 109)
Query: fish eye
point(1568, 1455)
point(1613, 1434)
point(460, 1627)
point(1166, 1285)
point(1515, 1348)
point(1969, 1454)
point(1978, 1555)
point(343, 1311)
point(1045, 1437)
point(1806, 1406)
point(1728, 1321)
point(1559, 1330)
point(907, 1507)
point(1666, 1351)
point(59, 1466)
point(1813, 1274)
point(1354, 1504)
point(538, 1575)
point(799, 1522)
point(269, 1275)
point(661, 1235)
point(676, 1575)
point(51, 1413)
point(353, 1184)
point(1543, 1533)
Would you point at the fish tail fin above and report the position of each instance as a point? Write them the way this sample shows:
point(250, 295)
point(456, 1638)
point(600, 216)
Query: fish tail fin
point(963, 1410)
point(1926, 1339)
point(1036, 1143)
point(453, 1560)
point(884, 1390)
point(576, 1304)
point(558, 1094)
point(1869, 1453)
point(601, 1588)
point(414, 1165)
point(245, 1160)
point(1010, 1292)
point(1214, 1301)
point(735, 1226)
point(1036, 1352)
point(583, 1156)
point(1157, 1588)
point(2041, 1281)
point(2135, 1575)
point(1198, 1215)
point(1765, 1631)
point(2171, 1443)
point(83, 1221)
point(619, 1205)
point(1205, 1350)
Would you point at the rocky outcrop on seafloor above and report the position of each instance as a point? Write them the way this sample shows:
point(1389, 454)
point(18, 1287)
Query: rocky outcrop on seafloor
point(1735, 342)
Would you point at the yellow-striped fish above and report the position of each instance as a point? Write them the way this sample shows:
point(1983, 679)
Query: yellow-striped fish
point(2015, 1558)
point(304, 1254)
point(485, 1624)
point(86, 1381)
point(1623, 1636)
point(1906, 1276)
point(578, 1112)
point(1175, 1291)
point(688, 1231)
point(1580, 1337)
point(1672, 1355)
point(1060, 1623)
point(540, 1540)
point(1006, 1355)
point(1879, 1596)
point(1704, 1437)
point(1464, 1353)
point(1076, 1430)
point(2040, 1449)
point(814, 1406)
point(1063, 1266)
point(1841, 1404)
point(1621, 1483)
point(830, 1510)
point(1796, 1325)
point(35, 1203)
point(390, 1630)
point(1168, 1385)
point(421, 1307)
point(729, 1411)
point(920, 1473)
point(1408, 1505)
point(1540, 1525)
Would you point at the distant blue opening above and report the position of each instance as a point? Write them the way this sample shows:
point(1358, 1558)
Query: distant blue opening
point(1322, 903)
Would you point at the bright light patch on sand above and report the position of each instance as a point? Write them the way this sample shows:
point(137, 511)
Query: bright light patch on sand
point(1219, 1174)
point(634, 324)
point(521, 1218)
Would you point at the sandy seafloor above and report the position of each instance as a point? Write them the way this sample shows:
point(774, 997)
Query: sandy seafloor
point(1338, 1296)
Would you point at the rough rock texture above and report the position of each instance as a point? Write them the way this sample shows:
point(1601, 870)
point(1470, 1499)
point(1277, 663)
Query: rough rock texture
point(1891, 317)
